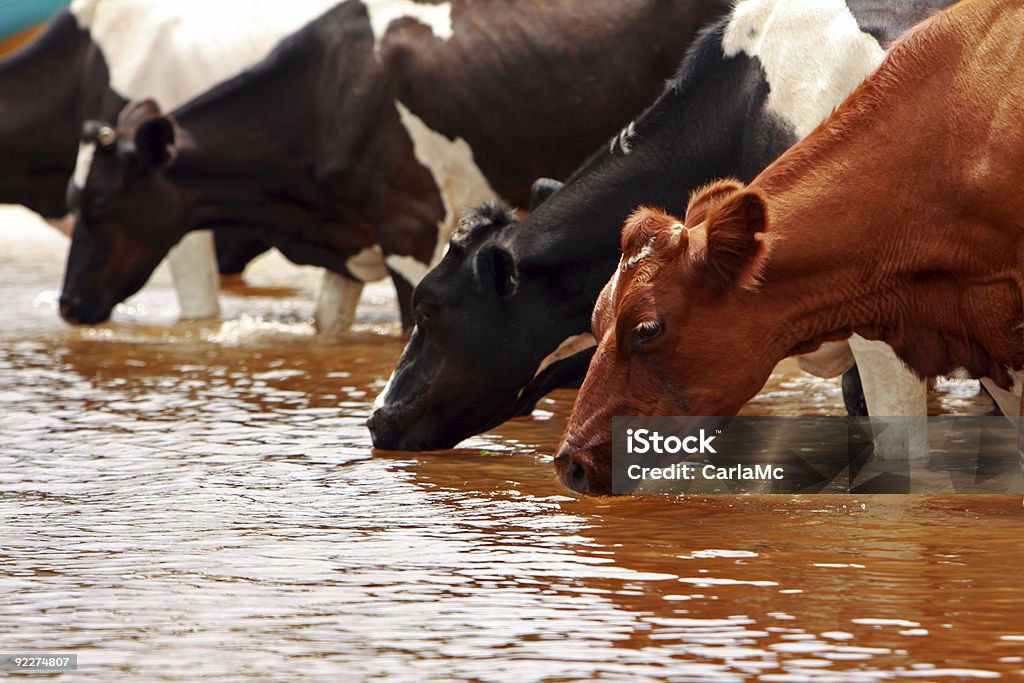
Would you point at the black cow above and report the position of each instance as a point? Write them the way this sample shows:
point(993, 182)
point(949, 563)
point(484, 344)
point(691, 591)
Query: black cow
point(366, 132)
point(88, 62)
point(506, 315)
point(47, 90)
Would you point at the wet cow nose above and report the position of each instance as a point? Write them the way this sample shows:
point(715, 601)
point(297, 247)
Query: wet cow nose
point(380, 432)
point(573, 473)
point(71, 309)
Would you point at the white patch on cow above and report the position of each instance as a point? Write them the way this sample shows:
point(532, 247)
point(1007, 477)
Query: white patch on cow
point(636, 258)
point(382, 12)
point(461, 182)
point(615, 279)
point(813, 54)
point(381, 399)
point(368, 265)
point(173, 51)
point(412, 270)
point(570, 347)
point(623, 139)
point(86, 153)
point(1008, 401)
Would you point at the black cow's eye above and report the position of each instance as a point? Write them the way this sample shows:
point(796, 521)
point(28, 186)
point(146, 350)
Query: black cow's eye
point(423, 313)
point(98, 204)
point(647, 331)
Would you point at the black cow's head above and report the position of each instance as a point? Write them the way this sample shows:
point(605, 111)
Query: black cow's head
point(127, 213)
point(466, 368)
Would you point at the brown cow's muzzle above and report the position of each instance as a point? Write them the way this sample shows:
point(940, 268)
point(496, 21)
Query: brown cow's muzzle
point(586, 470)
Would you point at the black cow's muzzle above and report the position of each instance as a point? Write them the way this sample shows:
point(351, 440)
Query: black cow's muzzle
point(74, 310)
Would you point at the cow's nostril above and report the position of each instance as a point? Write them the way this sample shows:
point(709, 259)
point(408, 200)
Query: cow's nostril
point(69, 310)
point(576, 477)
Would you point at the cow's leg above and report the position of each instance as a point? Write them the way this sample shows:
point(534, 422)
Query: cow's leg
point(194, 269)
point(853, 393)
point(336, 301)
point(892, 390)
point(830, 360)
point(1008, 402)
point(1020, 435)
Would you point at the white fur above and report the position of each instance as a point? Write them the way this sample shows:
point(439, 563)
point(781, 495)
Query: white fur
point(86, 152)
point(1009, 402)
point(891, 389)
point(461, 183)
point(194, 270)
point(174, 51)
point(646, 251)
point(336, 303)
point(623, 140)
point(813, 54)
point(381, 399)
point(411, 269)
point(382, 12)
point(831, 359)
point(368, 265)
point(570, 347)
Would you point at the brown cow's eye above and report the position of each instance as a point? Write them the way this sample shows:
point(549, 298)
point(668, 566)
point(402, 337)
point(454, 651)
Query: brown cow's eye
point(647, 331)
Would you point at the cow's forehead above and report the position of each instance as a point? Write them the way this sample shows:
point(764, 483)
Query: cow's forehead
point(646, 263)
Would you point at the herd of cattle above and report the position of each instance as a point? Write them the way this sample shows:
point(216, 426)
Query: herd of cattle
point(794, 189)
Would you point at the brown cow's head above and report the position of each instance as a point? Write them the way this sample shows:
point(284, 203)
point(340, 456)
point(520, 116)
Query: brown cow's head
point(127, 213)
point(676, 333)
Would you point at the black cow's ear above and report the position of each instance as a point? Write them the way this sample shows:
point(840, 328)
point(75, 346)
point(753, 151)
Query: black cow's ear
point(542, 189)
point(496, 271)
point(155, 143)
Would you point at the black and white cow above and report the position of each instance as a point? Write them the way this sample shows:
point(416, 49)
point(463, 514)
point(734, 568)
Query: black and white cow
point(354, 145)
point(506, 315)
point(98, 54)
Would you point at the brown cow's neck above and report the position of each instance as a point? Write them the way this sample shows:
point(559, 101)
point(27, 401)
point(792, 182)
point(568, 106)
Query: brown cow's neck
point(931, 233)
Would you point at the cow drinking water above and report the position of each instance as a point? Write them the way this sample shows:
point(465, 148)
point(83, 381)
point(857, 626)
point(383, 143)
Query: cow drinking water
point(899, 219)
point(354, 145)
point(506, 317)
point(98, 54)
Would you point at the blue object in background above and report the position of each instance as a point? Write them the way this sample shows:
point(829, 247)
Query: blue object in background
point(18, 15)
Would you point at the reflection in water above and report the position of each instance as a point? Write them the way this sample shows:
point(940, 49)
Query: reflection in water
point(199, 502)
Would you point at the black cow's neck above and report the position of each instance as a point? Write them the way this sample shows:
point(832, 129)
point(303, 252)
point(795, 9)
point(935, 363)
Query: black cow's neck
point(252, 150)
point(46, 91)
point(696, 132)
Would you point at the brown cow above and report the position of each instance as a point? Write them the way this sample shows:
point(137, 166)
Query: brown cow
point(900, 219)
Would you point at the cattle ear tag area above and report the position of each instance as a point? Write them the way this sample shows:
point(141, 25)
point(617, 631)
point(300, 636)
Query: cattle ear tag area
point(106, 136)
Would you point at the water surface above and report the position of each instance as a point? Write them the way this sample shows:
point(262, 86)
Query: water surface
point(184, 502)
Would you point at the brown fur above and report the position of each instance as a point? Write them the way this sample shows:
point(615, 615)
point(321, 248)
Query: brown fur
point(899, 219)
point(709, 196)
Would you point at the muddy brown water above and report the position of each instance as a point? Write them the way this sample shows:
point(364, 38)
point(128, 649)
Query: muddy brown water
point(184, 502)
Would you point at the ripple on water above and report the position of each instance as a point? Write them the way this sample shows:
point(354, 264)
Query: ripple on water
point(200, 501)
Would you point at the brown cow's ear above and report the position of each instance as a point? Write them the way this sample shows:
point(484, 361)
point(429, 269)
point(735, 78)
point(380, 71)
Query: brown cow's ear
point(641, 226)
point(732, 226)
point(702, 199)
point(155, 143)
